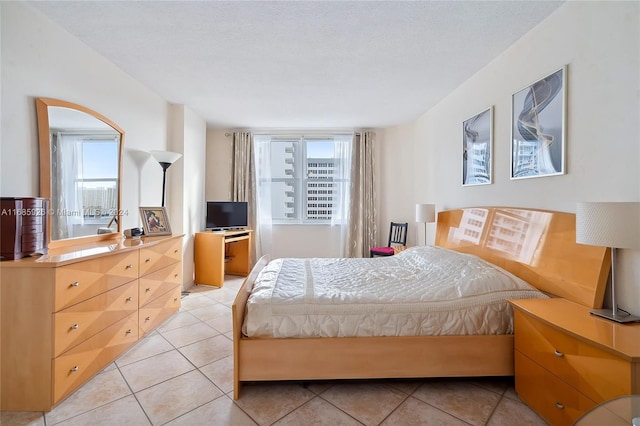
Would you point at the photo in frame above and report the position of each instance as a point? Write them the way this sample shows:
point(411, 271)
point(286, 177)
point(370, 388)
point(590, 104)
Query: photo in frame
point(477, 143)
point(538, 128)
point(155, 221)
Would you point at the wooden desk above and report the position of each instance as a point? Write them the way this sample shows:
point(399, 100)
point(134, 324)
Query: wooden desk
point(219, 253)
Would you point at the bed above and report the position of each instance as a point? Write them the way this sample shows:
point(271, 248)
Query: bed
point(536, 246)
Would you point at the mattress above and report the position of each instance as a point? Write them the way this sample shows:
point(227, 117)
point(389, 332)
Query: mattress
point(422, 291)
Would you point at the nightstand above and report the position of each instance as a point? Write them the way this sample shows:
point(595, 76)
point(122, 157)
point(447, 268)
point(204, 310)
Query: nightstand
point(568, 361)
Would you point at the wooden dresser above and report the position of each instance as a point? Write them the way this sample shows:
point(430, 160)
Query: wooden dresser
point(567, 361)
point(67, 315)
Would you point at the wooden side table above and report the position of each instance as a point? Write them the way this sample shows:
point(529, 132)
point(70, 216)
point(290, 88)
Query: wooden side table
point(568, 361)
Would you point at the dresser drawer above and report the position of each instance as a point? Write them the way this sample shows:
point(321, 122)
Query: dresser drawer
point(160, 255)
point(83, 280)
point(557, 402)
point(598, 374)
point(82, 362)
point(77, 323)
point(159, 282)
point(155, 312)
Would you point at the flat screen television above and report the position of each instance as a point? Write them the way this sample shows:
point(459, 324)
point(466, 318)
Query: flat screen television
point(226, 214)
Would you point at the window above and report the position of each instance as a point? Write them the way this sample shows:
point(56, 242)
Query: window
point(307, 179)
point(97, 180)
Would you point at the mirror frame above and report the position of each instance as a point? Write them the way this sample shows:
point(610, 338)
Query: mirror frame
point(42, 110)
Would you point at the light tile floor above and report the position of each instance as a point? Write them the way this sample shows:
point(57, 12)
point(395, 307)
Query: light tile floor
point(182, 374)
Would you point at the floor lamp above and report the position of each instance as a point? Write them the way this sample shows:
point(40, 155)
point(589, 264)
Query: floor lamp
point(615, 225)
point(166, 159)
point(425, 213)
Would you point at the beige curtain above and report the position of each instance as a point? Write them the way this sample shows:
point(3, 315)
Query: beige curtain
point(361, 231)
point(244, 188)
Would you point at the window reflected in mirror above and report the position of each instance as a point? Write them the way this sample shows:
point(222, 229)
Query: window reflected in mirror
point(84, 181)
point(84, 154)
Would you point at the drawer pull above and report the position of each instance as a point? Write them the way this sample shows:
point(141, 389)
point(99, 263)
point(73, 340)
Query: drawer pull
point(74, 284)
point(128, 331)
point(129, 266)
point(74, 369)
point(175, 300)
point(129, 299)
point(175, 251)
point(75, 327)
point(148, 289)
point(558, 353)
point(175, 276)
point(559, 406)
point(147, 318)
point(147, 260)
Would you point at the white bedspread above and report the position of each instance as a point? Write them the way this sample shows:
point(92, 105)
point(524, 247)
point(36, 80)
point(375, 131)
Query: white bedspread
point(420, 291)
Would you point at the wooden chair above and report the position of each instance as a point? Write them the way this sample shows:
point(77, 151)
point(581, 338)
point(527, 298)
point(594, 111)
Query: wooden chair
point(397, 237)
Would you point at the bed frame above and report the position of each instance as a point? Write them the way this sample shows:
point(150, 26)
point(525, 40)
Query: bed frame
point(536, 245)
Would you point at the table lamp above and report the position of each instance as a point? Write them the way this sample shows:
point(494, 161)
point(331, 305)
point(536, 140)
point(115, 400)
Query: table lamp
point(425, 213)
point(615, 225)
point(166, 159)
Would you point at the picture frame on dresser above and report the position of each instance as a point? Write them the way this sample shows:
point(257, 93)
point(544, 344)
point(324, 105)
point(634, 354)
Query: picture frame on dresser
point(155, 221)
point(538, 130)
point(477, 144)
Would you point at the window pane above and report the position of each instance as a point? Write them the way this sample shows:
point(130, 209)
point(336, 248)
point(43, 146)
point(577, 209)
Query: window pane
point(283, 159)
point(283, 199)
point(99, 198)
point(99, 159)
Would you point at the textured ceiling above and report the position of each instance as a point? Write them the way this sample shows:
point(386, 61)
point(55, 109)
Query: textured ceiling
point(300, 64)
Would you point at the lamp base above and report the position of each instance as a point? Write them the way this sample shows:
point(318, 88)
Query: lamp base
point(620, 317)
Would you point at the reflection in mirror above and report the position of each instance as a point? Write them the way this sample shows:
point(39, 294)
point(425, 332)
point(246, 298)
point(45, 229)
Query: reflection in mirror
point(83, 153)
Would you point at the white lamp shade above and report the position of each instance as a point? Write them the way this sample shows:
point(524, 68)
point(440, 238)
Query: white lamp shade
point(165, 156)
point(425, 213)
point(614, 225)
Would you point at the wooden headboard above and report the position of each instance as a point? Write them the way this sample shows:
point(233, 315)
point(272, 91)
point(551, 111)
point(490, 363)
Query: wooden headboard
point(538, 246)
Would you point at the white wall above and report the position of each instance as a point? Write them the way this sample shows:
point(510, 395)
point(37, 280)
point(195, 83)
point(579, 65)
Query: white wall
point(39, 59)
point(600, 43)
point(186, 178)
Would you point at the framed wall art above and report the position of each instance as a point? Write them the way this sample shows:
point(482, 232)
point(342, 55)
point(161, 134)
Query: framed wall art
point(155, 221)
point(477, 143)
point(538, 128)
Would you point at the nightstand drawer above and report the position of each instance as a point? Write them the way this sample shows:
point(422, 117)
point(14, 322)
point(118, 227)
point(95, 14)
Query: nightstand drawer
point(598, 374)
point(557, 402)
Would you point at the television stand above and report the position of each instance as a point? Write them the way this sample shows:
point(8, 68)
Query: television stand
point(222, 252)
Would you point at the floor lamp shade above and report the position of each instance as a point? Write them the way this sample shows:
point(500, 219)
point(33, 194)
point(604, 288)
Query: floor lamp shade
point(425, 213)
point(615, 225)
point(166, 159)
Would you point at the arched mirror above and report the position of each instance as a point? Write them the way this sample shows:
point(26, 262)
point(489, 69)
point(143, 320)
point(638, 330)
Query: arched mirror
point(80, 170)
